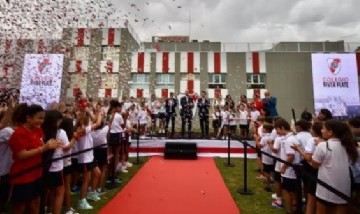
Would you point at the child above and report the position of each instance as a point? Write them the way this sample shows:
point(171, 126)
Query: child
point(216, 120)
point(86, 160)
point(268, 162)
point(224, 122)
point(233, 121)
point(143, 120)
point(244, 121)
point(287, 154)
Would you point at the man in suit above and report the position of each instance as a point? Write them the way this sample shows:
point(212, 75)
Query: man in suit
point(186, 114)
point(170, 109)
point(203, 105)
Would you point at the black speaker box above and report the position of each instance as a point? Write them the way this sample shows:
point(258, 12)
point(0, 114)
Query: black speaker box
point(180, 150)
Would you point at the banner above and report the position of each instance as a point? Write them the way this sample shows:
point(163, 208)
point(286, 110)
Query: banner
point(41, 79)
point(335, 83)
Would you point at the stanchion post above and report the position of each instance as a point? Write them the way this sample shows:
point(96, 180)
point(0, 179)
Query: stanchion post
point(245, 190)
point(299, 202)
point(229, 164)
point(137, 143)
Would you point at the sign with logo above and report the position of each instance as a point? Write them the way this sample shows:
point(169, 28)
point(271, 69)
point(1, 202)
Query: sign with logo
point(41, 79)
point(335, 83)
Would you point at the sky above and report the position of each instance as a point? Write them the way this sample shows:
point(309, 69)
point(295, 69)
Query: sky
point(244, 20)
point(214, 20)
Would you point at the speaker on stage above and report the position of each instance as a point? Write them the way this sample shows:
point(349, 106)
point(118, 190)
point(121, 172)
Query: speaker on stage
point(180, 150)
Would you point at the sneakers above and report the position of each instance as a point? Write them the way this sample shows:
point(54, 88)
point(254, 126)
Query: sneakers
point(93, 196)
point(128, 164)
point(100, 192)
point(71, 211)
point(277, 204)
point(274, 196)
point(123, 169)
point(84, 205)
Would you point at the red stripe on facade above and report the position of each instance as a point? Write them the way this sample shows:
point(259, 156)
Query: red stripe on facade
point(257, 91)
point(109, 66)
point(217, 63)
point(76, 92)
point(111, 36)
point(141, 59)
point(7, 46)
point(217, 92)
point(81, 36)
point(164, 93)
point(165, 62)
point(41, 47)
point(139, 93)
point(190, 64)
point(256, 63)
point(5, 70)
point(190, 86)
point(108, 92)
point(78, 66)
point(358, 62)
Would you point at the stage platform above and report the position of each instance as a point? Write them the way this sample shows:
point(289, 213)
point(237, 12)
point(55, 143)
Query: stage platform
point(206, 148)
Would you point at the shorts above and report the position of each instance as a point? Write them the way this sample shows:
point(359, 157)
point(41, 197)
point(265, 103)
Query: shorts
point(327, 203)
point(233, 128)
point(246, 127)
point(85, 167)
point(115, 139)
point(277, 176)
point(216, 123)
point(4, 188)
point(268, 168)
point(54, 179)
point(24, 192)
point(154, 116)
point(68, 170)
point(288, 184)
point(162, 116)
point(100, 156)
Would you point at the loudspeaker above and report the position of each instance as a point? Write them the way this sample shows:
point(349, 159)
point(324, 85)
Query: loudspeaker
point(180, 150)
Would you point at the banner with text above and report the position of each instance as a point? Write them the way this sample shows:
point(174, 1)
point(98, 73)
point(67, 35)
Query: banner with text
point(335, 84)
point(41, 79)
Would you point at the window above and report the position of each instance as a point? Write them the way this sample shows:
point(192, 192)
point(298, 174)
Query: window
point(217, 78)
point(81, 53)
point(165, 79)
point(111, 53)
point(255, 79)
point(140, 78)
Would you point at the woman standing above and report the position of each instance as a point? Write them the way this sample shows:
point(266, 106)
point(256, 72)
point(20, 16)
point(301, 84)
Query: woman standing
point(332, 158)
point(27, 147)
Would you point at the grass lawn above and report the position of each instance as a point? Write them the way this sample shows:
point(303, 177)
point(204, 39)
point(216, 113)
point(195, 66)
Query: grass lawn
point(260, 201)
point(125, 177)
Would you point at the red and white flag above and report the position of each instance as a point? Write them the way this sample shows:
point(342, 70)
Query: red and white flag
point(214, 93)
point(255, 62)
point(109, 66)
point(217, 62)
point(140, 62)
point(190, 62)
point(107, 93)
point(81, 36)
point(78, 66)
point(111, 36)
point(165, 62)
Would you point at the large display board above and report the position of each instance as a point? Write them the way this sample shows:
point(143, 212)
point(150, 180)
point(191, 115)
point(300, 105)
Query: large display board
point(41, 79)
point(335, 83)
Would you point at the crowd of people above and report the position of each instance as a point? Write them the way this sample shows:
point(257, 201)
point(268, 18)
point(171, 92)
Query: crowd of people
point(94, 136)
point(325, 148)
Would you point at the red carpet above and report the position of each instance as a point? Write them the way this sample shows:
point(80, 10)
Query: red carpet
point(174, 187)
